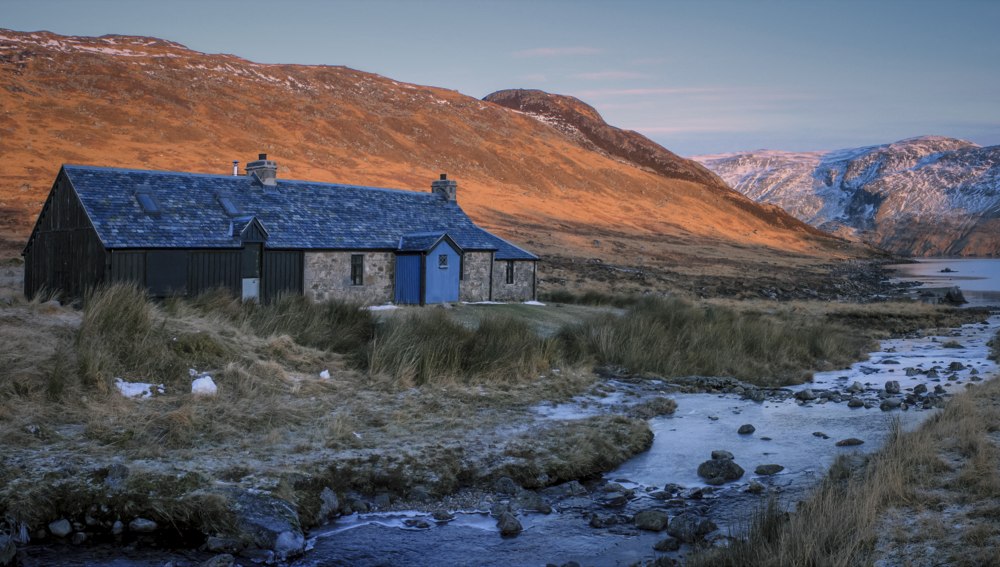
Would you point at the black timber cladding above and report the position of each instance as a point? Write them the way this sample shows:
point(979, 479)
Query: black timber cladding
point(282, 273)
point(64, 252)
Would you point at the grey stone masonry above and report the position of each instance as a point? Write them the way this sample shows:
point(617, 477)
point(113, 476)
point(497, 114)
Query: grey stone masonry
point(475, 286)
point(327, 275)
point(524, 281)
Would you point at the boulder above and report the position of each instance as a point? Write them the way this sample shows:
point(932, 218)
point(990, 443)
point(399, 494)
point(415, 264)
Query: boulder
point(746, 429)
point(60, 528)
point(892, 387)
point(269, 523)
point(955, 366)
point(719, 471)
point(805, 395)
point(117, 528)
point(142, 526)
point(508, 525)
point(889, 404)
point(667, 544)
point(720, 454)
point(767, 470)
point(652, 520)
point(919, 389)
point(855, 403)
point(820, 434)
point(78, 538)
point(755, 487)
point(856, 388)
point(689, 527)
point(849, 442)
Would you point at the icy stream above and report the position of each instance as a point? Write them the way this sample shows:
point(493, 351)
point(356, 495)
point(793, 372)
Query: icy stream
point(785, 434)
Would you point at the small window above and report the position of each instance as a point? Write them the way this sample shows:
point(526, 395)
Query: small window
point(461, 267)
point(443, 261)
point(357, 269)
point(148, 203)
point(510, 271)
point(229, 206)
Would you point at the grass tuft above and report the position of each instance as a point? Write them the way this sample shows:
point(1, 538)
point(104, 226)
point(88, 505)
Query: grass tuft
point(673, 337)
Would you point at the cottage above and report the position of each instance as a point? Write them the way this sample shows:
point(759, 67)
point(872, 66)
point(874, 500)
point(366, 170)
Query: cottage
point(183, 233)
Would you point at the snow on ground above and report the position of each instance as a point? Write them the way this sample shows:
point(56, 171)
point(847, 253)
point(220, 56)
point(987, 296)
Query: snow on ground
point(386, 307)
point(137, 389)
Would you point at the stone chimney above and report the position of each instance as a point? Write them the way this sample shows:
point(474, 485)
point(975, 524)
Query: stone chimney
point(445, 187)
point(264, 170)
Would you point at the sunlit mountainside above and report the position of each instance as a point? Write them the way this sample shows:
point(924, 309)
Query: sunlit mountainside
point(568, 185)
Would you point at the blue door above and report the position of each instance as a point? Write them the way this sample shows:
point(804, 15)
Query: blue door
point(442, 273)
point(408, 278)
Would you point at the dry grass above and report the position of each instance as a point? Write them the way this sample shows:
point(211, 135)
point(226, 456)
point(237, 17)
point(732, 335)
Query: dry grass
point(674, 337)
point(951, 459)
point(429, 347)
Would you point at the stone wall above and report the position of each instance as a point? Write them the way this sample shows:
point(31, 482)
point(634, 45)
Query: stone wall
point(476, 284)
point(524, 280)
point(327, 275)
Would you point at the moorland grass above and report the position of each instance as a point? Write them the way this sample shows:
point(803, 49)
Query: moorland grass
point(673, 337)
point(429, 347)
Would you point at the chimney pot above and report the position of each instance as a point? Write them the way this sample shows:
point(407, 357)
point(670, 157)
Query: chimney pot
point(236, 168)
point(444, 176)
point(261, 156)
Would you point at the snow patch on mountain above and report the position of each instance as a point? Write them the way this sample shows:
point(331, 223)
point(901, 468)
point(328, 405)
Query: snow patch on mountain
point(929, 178)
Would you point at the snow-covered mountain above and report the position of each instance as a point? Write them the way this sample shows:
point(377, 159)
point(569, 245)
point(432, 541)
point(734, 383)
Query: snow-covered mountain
point(924, 196)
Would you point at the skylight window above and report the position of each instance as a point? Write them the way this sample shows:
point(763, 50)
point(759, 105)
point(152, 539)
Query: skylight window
point(229, 206)
point(148, 203)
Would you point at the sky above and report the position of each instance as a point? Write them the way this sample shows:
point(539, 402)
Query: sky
point(698, 77)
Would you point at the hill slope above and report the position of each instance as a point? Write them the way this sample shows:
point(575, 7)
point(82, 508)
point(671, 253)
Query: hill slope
point(149, 103)
point(924, 196)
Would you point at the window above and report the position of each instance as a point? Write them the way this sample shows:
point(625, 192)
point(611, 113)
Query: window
point(148, 203)
point(461, 267)
point(443, 261)
point(510, 271)
point(357, 269)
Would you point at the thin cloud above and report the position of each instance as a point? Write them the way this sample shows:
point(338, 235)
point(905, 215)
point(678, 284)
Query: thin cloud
point(535, 78)
point(557, 51)
point(610, 75)
point(600, 93)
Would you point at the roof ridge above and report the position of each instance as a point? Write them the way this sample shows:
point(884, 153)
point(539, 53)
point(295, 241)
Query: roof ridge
point(426, 194)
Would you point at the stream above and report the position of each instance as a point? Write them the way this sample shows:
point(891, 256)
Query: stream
point(799, 436)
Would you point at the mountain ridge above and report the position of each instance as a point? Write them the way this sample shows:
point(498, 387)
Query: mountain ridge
point(922, 196)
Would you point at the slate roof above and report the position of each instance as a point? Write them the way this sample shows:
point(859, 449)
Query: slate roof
point(420, 241)
point(296, 214)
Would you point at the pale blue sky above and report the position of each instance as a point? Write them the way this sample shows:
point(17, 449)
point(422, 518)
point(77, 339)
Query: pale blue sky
point(696, 76)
